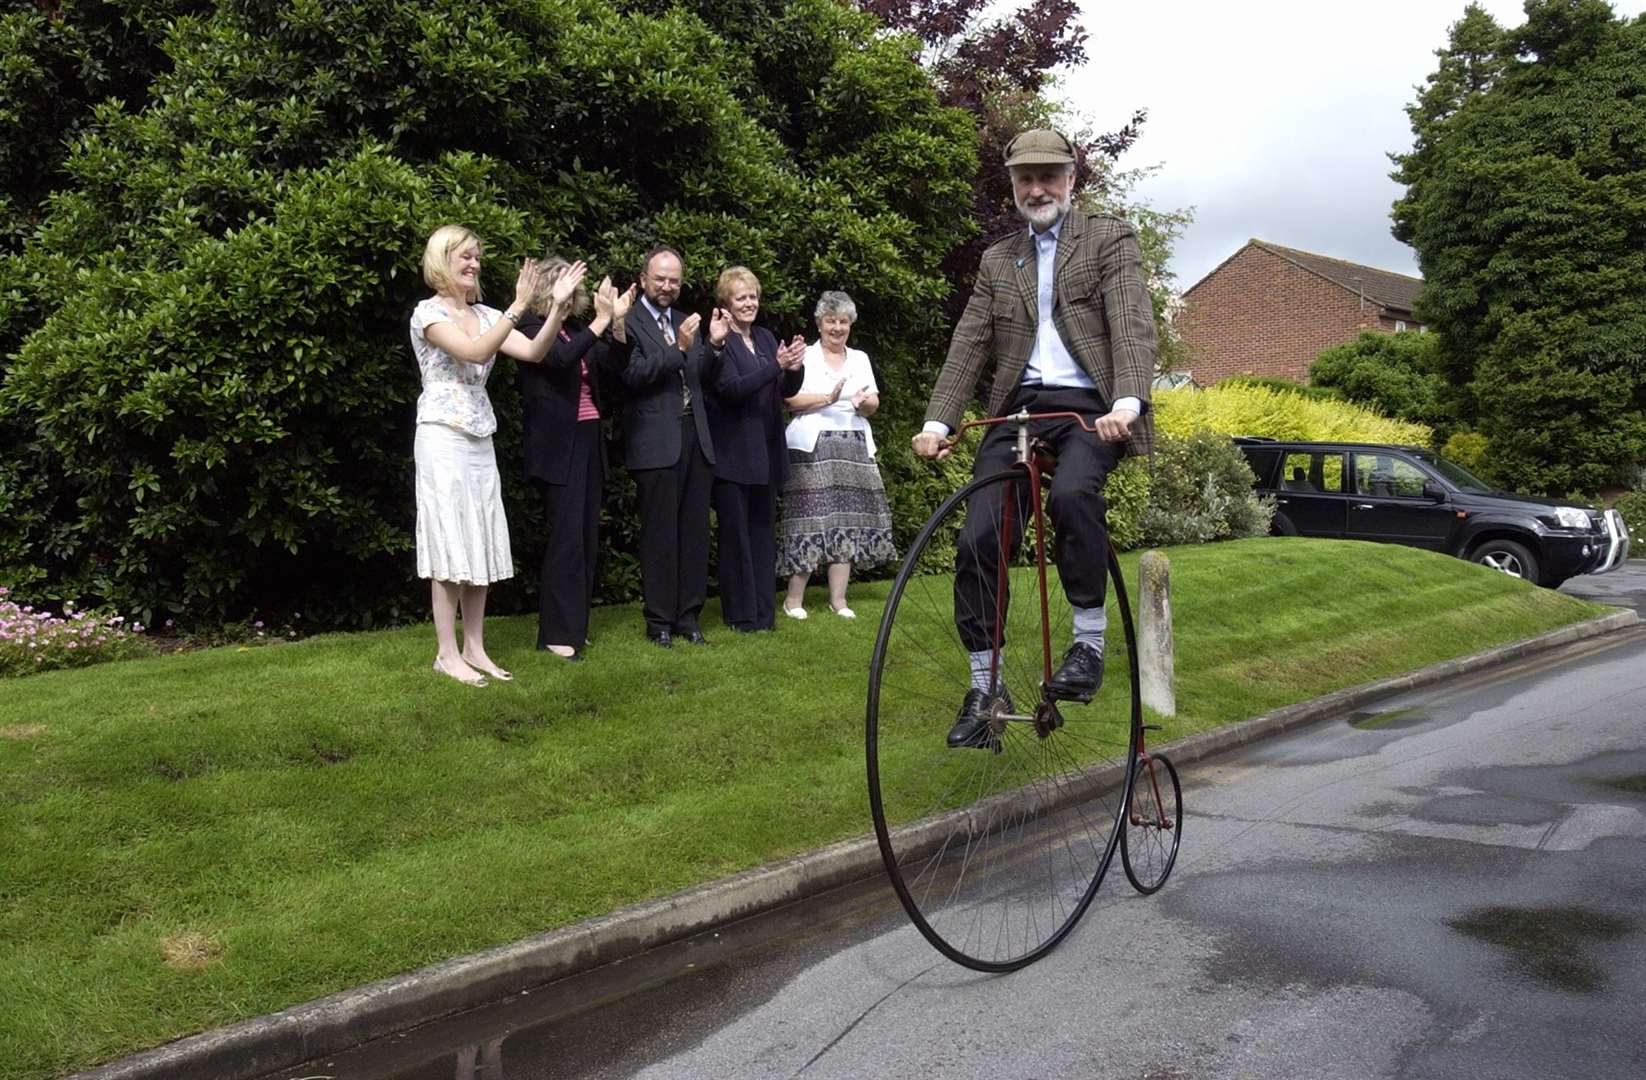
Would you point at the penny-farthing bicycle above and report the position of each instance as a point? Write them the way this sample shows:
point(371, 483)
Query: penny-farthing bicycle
point(996, 850)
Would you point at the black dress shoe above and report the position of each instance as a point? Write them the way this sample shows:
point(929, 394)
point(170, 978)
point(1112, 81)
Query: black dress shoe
point(1080, 675)
point(575, 658)
point(695, 636)
point(971, 726)
point(661, 638)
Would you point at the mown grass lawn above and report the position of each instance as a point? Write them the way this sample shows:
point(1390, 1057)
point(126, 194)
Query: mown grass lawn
point(194, 839)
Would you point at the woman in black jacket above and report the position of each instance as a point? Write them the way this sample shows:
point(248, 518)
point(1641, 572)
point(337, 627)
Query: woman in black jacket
point(565, 452)
point(753, 375)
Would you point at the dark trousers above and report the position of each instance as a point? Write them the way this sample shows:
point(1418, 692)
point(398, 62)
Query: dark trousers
point(1075, 505)
point(674, 536)
point(747, 562)
point(565, 586)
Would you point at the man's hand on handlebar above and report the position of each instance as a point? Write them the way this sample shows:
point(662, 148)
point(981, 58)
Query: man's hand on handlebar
point(1116, 425)
point(929, 444)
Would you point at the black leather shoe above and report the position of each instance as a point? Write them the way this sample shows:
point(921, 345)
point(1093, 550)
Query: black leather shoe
point(661, 638)
point(971, 726)
point(575, 658)
point(695, 636)
point(1080, 675)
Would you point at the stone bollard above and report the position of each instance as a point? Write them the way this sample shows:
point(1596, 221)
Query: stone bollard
point(1155, 651)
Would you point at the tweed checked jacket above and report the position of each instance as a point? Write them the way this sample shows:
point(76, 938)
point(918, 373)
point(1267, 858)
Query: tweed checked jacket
point(1100, 307)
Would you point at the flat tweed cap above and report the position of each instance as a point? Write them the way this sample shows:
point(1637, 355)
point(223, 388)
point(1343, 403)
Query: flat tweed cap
point(1039, 146)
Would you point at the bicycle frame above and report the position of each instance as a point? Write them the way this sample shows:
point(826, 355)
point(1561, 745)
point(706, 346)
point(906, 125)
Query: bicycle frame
point(1036, 465)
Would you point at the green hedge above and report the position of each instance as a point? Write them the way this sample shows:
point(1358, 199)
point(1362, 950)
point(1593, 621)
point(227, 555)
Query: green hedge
point(206, 393)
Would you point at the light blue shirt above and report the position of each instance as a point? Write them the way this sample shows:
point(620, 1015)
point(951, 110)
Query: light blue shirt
point(1050, 364)
point(656, 313)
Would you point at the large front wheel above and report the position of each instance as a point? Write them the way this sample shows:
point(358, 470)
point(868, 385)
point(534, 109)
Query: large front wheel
point(997, 846)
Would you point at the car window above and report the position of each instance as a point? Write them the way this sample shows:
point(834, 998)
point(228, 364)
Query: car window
point(1388, 476)
point(1262, 461)
point(1461, 478)
point(1311, 471)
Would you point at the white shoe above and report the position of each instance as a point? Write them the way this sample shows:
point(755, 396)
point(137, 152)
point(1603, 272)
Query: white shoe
point(845, 613)
point(795, 612)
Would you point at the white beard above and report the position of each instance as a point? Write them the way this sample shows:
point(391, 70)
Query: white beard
point(1045, 215)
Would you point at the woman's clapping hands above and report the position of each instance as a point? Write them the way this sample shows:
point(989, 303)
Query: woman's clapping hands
point(566, 283)
point(793, 355)
point(526, 282)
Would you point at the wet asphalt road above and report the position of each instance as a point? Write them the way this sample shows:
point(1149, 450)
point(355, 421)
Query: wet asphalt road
point(1452, 884)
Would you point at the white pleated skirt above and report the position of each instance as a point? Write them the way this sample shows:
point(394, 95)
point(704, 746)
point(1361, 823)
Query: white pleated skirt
point(462, 534)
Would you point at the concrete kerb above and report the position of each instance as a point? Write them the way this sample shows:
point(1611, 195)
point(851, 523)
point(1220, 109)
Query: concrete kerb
point(332, 1024)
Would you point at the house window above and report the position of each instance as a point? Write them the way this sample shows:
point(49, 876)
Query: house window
point(1400, 326)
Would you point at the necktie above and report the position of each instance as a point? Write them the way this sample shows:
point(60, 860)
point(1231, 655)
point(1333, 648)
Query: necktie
point(665, 324)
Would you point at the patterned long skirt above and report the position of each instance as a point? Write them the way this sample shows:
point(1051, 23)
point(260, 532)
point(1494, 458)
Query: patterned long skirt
point(834, 508)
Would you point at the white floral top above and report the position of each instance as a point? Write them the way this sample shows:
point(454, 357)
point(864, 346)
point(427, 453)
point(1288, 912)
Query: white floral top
point(454, 392)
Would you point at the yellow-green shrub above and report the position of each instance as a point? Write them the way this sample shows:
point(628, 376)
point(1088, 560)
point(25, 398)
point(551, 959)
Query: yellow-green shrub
point(1277, 414)
point(1467, 448)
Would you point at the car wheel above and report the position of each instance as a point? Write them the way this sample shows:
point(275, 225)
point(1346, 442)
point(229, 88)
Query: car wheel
point(1282, 526)
point(1507, 557)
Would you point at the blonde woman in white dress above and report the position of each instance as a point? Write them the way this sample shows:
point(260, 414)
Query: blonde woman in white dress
point(462, 535)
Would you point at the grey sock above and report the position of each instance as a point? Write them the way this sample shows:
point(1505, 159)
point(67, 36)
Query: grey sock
point(981, 663)
point(1089, 624)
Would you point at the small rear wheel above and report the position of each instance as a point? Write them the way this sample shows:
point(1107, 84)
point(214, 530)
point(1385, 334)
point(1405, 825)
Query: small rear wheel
point(1154, 824)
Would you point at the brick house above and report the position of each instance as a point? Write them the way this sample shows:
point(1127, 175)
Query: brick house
point(1268, 310)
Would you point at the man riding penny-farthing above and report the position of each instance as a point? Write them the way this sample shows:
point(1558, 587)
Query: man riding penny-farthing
point(998, 831)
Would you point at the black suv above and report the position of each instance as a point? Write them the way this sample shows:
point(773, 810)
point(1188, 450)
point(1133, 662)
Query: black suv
point(1409, 495)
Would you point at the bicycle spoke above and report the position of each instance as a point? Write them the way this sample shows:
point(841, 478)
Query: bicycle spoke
point(995, 850)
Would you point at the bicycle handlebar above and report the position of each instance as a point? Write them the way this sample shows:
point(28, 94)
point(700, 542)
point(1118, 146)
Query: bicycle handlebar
point(1022, 419)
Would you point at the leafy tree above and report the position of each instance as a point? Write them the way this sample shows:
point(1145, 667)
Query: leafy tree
point(58, 59)
point(206, 391)
point(1526, 202)
point(1396, 374)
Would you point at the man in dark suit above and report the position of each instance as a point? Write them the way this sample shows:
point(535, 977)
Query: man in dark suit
point(1061, 313)
point(668, 451)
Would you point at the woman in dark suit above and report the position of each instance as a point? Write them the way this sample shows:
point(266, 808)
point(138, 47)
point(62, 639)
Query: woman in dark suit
point(753, 375)
point(565, 453)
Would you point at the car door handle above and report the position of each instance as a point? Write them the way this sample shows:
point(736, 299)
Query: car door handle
point(1364, 506)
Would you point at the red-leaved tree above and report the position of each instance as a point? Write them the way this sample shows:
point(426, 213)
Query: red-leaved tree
point(1000, 70)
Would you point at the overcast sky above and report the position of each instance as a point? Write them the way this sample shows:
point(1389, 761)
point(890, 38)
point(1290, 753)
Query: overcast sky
point(1272, 118)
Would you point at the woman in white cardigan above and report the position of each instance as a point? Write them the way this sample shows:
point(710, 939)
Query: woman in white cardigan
point(834, 504)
